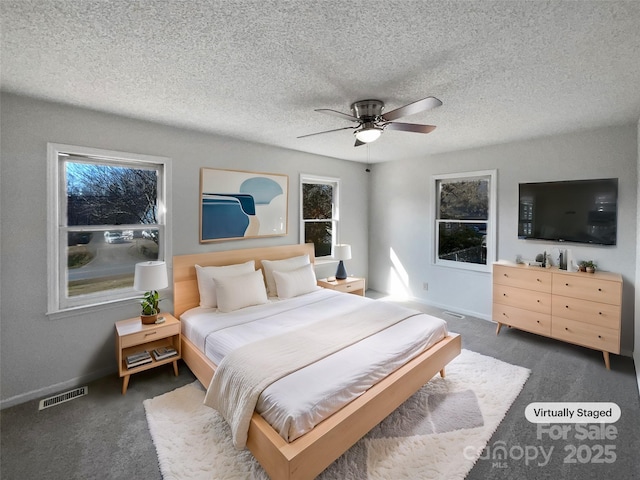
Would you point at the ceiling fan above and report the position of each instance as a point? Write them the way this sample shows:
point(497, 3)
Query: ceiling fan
point(371, 122)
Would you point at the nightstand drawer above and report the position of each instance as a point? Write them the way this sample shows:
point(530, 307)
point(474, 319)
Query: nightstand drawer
point(149, 334)
point(350, 287)
point(355, 285)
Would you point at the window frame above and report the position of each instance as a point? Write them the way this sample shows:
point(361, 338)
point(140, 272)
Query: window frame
point(491, 237)
point(57, 229)
point(335, 214)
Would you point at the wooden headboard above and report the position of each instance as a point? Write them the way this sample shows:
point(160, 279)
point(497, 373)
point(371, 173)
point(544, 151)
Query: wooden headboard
point(185, 283)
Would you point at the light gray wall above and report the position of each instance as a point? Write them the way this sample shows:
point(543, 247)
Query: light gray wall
point(40, 355)
point(636, 350)
point(401, 201)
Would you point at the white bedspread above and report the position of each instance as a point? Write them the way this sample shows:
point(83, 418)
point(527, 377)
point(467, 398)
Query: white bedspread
point(296, 403)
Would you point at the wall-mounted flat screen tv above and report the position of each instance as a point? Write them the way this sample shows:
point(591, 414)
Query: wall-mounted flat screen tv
point(579, 211)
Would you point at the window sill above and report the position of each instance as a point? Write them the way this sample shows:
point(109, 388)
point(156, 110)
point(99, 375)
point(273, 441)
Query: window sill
point(88, 309)
point(325, 261)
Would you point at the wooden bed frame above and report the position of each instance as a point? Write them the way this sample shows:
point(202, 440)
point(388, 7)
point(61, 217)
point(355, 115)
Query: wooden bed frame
point(310, 454)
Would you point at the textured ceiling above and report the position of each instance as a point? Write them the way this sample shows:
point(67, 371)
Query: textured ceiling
point(256, 70)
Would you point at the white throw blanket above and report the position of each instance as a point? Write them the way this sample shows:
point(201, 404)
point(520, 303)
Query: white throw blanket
point(247, 371)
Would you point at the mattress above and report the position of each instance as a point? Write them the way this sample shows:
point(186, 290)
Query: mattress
point(296, 403)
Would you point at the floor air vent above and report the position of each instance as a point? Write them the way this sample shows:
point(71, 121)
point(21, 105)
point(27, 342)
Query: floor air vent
point(455, 315)
point(63, 397)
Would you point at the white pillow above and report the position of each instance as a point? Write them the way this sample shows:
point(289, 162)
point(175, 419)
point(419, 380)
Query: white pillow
point(207, 278)
point(296, 282)
point(239, 291)
point(286, 265)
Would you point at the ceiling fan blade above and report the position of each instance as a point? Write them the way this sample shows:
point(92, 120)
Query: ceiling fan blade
point(336, 113)
point(412, 108)
point(326, 131)
point(410, 127)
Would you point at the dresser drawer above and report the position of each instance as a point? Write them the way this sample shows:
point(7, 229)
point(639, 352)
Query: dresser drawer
point(586, 334)
point(149, 334)
point(531, 278)
point(595, 313)
point(518, 297)
point(587, 287)
point(534, 322)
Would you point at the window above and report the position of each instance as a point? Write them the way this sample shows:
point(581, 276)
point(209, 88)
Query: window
point(465, 220)
point(107, 212)
point(319, 213)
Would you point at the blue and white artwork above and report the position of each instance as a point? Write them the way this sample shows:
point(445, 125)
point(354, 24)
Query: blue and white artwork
point(237, 204)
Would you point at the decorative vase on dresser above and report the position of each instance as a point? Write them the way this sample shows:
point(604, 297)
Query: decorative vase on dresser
point(575, 307)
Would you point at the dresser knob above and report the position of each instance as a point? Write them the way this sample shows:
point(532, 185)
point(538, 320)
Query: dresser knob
point(566, 329)
point(538, 280)
point(566, 306)
point(599, 313)
point(538, 301)
point(566, 284)
point(599, 336)
point(538, 321)
point(599, 289)
point(504, 294)
point(505, 275)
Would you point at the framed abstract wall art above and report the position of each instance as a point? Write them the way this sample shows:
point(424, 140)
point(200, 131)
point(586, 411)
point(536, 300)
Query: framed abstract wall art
point(236, 204)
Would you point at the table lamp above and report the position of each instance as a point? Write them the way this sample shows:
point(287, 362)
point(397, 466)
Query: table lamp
point(149, 277)
point(341, 252)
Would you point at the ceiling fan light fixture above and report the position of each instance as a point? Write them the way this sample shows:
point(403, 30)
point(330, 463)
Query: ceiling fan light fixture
point(369, 133)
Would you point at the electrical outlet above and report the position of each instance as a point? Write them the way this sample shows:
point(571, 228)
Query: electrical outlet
point(425, 286)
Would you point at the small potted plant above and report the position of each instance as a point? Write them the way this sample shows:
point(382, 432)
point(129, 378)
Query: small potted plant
point(150, 309)
point(587, 266)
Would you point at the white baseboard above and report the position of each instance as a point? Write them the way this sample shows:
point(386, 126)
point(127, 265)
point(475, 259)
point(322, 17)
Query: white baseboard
point(453, 308)
point(52, 389)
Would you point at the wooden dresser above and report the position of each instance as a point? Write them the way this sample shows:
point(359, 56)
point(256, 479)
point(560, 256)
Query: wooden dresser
point(575, 307)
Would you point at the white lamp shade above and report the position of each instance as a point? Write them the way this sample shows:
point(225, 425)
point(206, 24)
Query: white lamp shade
point(368, 135)
point(342, 252)
point(150, 276)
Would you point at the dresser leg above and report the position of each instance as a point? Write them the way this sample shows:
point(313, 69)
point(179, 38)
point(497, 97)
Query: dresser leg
point(125, 383)
point(498, 328)
point(175, 368)
point(606, 360)
point(442, 373)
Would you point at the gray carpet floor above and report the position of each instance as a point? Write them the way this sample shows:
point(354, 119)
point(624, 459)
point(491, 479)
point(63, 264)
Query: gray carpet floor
point(104, 434)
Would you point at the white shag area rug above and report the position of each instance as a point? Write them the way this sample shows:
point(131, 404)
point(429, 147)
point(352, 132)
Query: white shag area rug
point(439, 433)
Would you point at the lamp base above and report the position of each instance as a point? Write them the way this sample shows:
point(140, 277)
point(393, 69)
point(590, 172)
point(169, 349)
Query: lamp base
point(341, 273)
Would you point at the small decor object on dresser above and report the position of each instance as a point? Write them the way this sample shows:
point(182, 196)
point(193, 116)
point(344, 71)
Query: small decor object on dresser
point(587, 266)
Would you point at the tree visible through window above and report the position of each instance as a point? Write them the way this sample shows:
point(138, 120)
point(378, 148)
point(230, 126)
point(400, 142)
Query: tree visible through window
point(109, 197)
point(319, 213)
point(463, 219)
point(109, 217)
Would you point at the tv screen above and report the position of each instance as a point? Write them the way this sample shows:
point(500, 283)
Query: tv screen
point(580, 211)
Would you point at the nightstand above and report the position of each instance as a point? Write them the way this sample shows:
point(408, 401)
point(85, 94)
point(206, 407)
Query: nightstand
point(134, 337)
point(353, 285)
